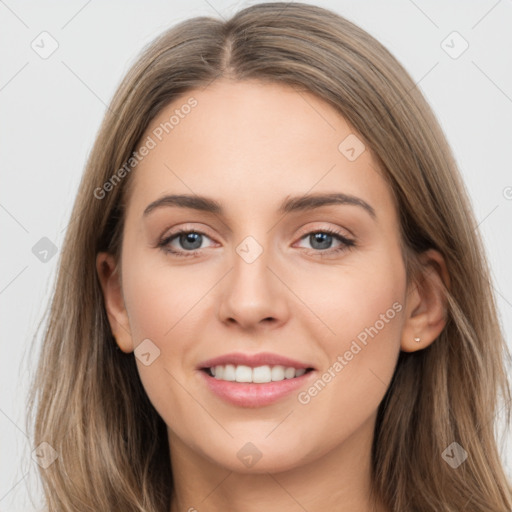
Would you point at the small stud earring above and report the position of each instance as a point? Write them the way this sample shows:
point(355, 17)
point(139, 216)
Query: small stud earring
point(417, 340)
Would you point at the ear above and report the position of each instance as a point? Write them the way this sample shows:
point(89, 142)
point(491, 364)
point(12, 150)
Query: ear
point(425, 311)
point(110, 280)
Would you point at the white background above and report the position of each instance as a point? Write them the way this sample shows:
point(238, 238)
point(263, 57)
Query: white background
point(51, 109)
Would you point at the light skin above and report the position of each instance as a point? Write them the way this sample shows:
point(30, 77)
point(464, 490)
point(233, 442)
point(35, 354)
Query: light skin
point(250, 146)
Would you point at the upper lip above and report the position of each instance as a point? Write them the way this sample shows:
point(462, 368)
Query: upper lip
point(253, 360)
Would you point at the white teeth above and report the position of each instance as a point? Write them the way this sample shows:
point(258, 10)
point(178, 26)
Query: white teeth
point(229, 372)
point(277, 373)
point(260, 374)
point(289, 373)
point(243, 373)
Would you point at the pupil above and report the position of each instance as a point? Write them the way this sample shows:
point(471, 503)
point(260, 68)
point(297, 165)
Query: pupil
point(323, 238)
point(191, 237)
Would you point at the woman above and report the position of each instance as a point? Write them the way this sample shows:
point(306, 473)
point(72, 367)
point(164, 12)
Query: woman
point(199, 356)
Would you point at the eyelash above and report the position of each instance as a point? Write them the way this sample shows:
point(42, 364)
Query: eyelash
point(346, 243)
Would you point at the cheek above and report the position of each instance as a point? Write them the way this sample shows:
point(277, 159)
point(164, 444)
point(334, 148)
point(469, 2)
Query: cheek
point(167, 305)
point(369, 306)
point(361, 311)
point(164, 305)
point(161, 300)
point(364, 311)
point(360, 299)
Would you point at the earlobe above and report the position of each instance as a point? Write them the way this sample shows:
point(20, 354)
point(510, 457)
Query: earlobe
point(426, 303)
point(109, 278)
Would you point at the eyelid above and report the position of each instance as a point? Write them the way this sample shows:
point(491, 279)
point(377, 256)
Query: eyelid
point(303, 231)
point(203, 230)
point(346, 242)
point(306, 230)
point(174, 234)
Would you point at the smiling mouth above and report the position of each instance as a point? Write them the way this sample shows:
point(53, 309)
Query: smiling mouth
point(257, 375)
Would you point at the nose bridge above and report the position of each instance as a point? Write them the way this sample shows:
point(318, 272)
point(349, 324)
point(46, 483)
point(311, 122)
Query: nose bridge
point(252, 292)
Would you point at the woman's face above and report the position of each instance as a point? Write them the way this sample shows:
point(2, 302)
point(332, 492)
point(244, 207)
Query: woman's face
point(255, 280)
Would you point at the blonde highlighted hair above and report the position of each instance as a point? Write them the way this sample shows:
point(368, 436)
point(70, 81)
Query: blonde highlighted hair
point(87, 400)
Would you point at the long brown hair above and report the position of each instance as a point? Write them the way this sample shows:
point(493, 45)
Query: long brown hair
point(90, 405)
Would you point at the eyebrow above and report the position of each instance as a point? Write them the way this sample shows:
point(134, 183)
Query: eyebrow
point(290, 204)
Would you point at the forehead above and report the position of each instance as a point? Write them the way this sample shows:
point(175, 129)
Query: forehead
point(251, 143)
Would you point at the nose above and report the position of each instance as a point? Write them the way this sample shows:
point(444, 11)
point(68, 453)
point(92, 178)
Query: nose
point(253, 294)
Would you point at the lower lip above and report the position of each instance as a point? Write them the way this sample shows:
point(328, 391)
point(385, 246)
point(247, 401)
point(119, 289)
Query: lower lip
point(247, 394)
